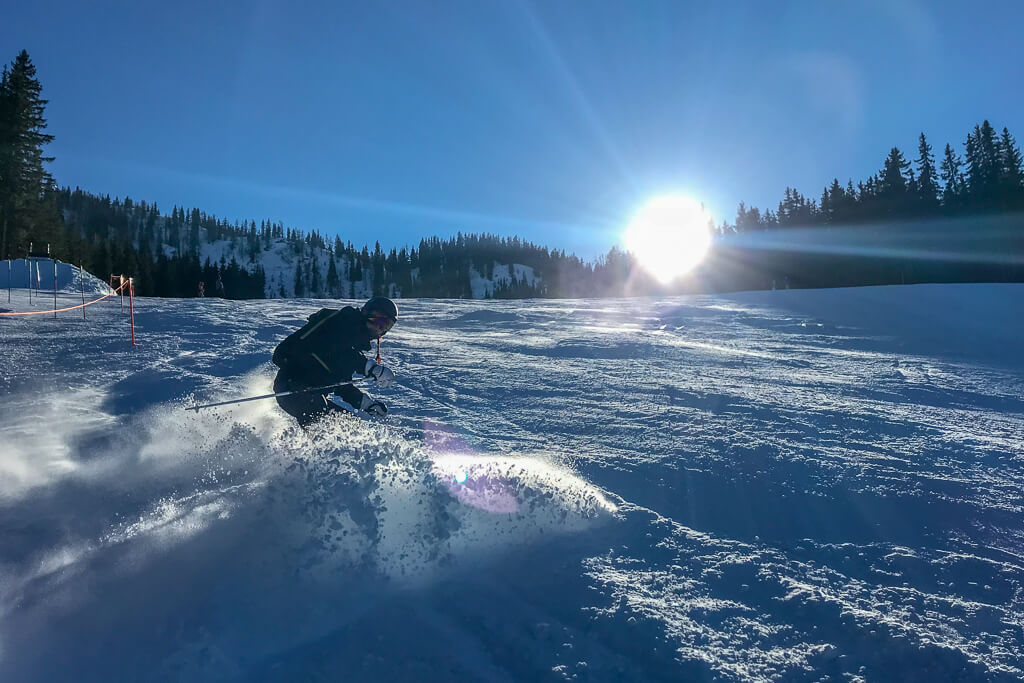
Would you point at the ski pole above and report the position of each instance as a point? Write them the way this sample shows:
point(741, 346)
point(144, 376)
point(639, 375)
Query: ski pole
point(265, 396)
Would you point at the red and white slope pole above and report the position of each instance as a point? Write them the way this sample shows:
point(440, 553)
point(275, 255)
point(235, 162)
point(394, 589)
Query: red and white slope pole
point(131, 306)
point(54, 281)
point(81, 276)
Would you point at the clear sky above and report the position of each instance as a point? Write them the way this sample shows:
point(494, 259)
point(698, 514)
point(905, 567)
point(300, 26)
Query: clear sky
point(552, 120)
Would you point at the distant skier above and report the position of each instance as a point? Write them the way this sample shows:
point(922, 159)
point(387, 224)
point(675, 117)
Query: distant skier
point(220, 287)
point(202, 289)
point(328, 350)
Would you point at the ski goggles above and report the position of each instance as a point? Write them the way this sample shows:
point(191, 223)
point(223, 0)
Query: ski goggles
point(381, 323)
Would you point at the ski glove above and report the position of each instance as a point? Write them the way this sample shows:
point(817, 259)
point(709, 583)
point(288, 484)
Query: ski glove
point(379, 373)
point(375, 408)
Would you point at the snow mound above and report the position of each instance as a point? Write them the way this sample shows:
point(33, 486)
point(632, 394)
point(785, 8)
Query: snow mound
point(16, 274)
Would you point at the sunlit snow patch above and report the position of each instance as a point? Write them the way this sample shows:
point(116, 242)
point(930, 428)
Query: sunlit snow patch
point(501, 484)
point(507, 485)
point(486, 488)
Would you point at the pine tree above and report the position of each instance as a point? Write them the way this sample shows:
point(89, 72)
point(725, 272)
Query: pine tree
point(332, 277)
point(26, 209)
point(300, 283)
point(893, 182)
point(1011, 173)
point(953, 180)
point(315, 287)
point(193, 232)
point(839, 201)
point(827, 212)
point(927, 185)
point(982, 159)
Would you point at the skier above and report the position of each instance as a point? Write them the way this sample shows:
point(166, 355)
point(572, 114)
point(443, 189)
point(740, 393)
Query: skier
point(328, 350)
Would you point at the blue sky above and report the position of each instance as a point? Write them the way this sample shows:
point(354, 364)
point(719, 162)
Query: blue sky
point(554, 121)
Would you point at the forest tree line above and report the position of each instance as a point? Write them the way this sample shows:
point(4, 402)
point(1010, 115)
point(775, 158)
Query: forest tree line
point(163, 252)
point(958, 220)
point(801, 243)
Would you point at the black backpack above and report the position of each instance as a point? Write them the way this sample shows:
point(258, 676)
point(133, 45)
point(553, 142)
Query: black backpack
point(292, 343)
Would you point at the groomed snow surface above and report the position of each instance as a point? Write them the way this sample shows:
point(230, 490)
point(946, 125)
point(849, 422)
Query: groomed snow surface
point(790, 485)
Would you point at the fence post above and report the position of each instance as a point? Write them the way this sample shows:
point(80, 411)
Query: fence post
point(81, 277)
point(131, 306)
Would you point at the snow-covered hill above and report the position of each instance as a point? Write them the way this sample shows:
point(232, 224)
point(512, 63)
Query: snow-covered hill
point(504, 274)
point(791, 485)
point(279, 262)
point(280, 259)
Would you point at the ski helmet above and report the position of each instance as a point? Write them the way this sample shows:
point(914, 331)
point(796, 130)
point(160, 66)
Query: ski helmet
point(381, 306)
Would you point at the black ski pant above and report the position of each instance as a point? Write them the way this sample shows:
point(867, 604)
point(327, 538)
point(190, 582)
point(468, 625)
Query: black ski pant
point(309, 406)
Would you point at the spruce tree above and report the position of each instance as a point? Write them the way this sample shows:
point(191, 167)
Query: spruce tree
point(892, 180)
point(982, 160)
point(839, 202)
point(1011, 173)
point(193, 233)
point(332, 277)
point(300, 284)
point(314, 277)
point(26, 211)
point(952, 179)
point(927, 180)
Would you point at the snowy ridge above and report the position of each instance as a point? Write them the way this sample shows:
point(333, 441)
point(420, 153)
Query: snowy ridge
point(280, 260)
point(504, 274)
point(757, 486)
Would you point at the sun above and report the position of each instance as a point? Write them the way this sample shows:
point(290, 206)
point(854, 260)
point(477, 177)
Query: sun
point(669, 236)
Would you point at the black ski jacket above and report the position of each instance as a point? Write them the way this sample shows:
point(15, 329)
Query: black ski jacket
point(326, 349)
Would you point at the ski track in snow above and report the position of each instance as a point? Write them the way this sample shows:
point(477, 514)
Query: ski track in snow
point(793, 484)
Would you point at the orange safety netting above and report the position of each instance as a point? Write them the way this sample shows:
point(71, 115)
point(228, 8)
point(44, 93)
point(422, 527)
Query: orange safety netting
point(51, 311)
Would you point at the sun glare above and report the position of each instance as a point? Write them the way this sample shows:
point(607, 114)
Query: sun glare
point(669, 236)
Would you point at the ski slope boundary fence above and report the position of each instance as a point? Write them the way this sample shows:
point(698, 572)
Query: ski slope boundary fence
point(124, 285)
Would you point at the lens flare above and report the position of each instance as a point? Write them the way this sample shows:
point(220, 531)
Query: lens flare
point(669, 236)
point(460, 477)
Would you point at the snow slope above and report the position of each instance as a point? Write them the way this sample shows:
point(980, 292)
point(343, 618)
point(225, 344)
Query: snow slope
point(790, 484)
